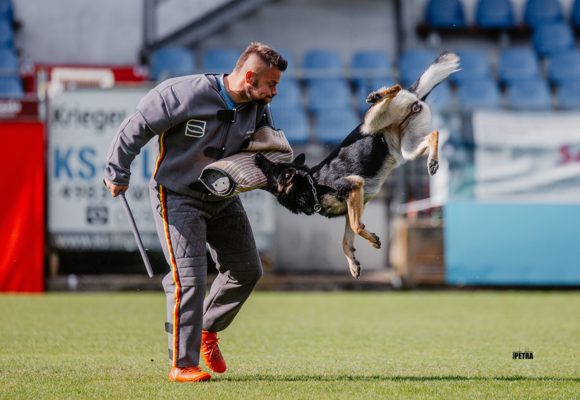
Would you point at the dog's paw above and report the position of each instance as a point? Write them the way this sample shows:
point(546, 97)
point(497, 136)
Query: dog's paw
point(376, 241)
point(432, 166)
point(355, 269)
point(374, 97)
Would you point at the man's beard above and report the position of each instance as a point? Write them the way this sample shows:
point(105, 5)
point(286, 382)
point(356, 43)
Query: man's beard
point(253, 94)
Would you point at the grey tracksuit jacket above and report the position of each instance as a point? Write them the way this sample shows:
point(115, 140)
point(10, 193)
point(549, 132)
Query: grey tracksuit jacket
point(193, 128)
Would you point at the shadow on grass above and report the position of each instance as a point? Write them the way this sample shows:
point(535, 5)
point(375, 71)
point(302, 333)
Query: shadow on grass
point(377, 378)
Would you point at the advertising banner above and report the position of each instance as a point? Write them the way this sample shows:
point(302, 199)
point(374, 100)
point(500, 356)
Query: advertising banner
point(82, 212)
point(525, 157)
point(22, 220)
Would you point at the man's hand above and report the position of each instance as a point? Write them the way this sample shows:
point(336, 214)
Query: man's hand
point(115, 189)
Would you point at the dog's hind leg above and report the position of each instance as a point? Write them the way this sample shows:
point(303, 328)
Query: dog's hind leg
point(355, 205)
point(348, 248)
point(431, 142)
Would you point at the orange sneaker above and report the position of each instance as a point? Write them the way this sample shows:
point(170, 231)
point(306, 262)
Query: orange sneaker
point(188, 374)
point(211, 352)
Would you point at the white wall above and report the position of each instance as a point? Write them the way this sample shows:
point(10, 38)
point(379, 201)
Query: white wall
point(110, 31)
point(301, 25)
point(79, 31)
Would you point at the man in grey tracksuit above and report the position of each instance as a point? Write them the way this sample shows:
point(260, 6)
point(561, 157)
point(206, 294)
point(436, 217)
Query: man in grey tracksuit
point(196, 120)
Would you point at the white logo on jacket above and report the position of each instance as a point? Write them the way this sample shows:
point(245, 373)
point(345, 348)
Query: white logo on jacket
point(195, 128)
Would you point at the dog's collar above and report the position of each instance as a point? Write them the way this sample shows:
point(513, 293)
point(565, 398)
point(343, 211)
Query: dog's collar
point(317, 206)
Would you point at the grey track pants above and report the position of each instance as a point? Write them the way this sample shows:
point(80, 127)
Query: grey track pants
point(184, 225)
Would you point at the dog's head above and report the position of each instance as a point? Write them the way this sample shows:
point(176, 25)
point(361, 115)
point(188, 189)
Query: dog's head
point(406, 110)
point(281, 176)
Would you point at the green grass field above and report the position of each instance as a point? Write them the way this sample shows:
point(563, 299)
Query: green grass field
point(299, 346)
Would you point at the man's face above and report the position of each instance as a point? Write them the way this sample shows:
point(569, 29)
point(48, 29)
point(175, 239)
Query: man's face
point(263, 90)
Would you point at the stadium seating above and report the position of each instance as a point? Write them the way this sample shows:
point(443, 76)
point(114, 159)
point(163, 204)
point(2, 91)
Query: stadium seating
point(553, 38)
point(440, 97)
point(6, 11)
point(328, 94)
point(533, 94)
point(494, 14)
point(289, 96)
point(445, 14)
point(564, 67)
point(321, 64)
point(294, 124)
point(169, 62)
point(6, 34)
point(479, 94)
point(333, 126)
point(475, 65)
point(11, 86)
point(518, 63)
point(369, 64)
point(538, 12)
point(220, 60)
point(413, 62)
point(568, 94)
point(362, 92)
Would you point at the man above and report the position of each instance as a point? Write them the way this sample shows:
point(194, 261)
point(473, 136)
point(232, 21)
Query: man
point(196, 120)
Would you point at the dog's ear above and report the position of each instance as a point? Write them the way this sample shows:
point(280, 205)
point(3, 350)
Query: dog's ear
point(300, 159)
point(287, 176)
point(383, 93)
point(262, 162)
point(446, 64)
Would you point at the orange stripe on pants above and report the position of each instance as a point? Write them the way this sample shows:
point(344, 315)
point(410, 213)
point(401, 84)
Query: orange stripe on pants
point(175, 277)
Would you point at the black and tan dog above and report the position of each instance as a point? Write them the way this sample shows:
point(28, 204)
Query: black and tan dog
point(396, 128)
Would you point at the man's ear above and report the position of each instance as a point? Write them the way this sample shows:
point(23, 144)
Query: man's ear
point(300, 159)
point(249, 77)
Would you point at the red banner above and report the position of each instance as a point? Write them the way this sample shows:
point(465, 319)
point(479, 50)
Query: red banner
point(22, 207)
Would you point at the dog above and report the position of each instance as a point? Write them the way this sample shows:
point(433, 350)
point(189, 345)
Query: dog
point(395, 128)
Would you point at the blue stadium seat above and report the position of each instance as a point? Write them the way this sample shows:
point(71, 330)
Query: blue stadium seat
point(440, 97)
point(221, 60)
point(322, 64)
point(553, 38)
point(575, 16)
point(362, 92)
point(288, 98)
point(6, 34)
point(169, 62)
point(328, 94)
point(369, 64)
point(564, 66)
point(568, 94)
point(479, 94)
point(538, 12)
point(333, 126)
point(518, 63)
point(445, 14)
point(494, 14)
point(294, 124)
point(413, 63)
point(474, 64)
point(6, 10)
point(11, 87)
point(531, 94)
point(8, 62)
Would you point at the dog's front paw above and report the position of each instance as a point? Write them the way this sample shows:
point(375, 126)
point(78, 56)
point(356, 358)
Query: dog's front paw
point(355, 268)
point(376, 241)
point(432, 166)
point(374, 97)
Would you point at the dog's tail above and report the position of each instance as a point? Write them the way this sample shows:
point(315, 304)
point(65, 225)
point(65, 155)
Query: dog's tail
point(446, 64)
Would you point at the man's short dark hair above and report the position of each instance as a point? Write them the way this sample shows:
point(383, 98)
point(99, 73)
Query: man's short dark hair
point(270, 57)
